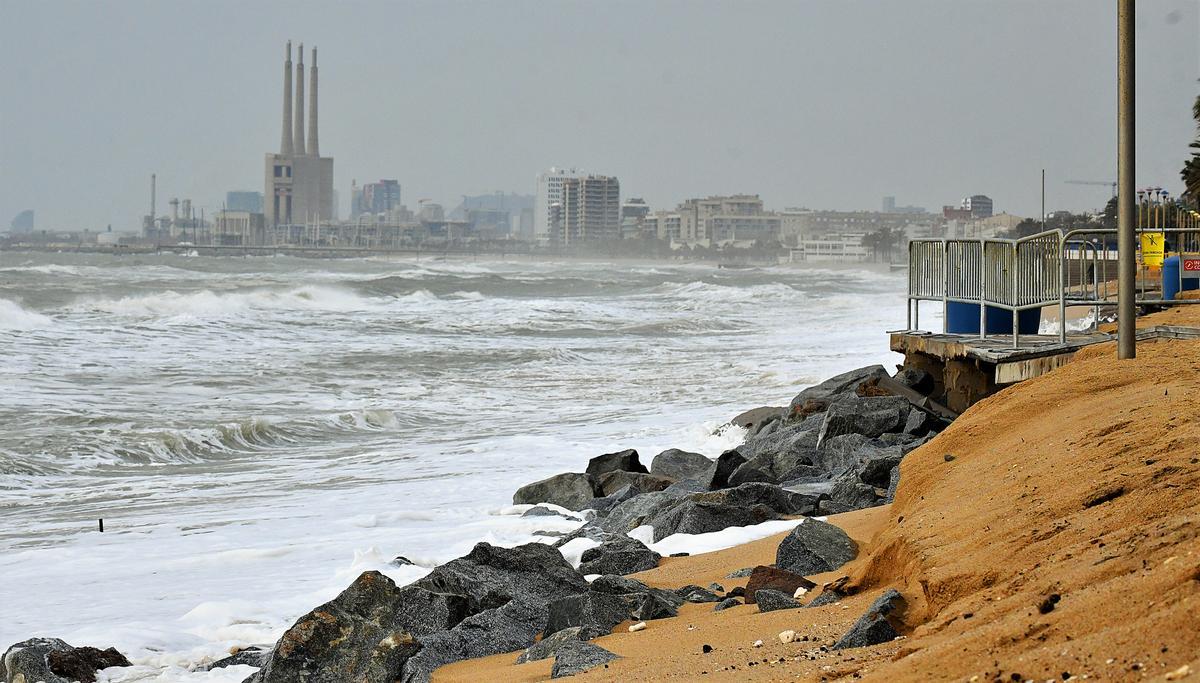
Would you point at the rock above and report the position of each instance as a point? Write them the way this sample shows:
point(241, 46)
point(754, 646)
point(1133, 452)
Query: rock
point(740, 573)
point(716, 587)
point(918, 380)
point(786, 637)
point(402, 561)
point(773, 578)
point(827, 597)
point(756, 417)
point(847, 452)
point(491, 575)
point(27, 661)
point(620, 555)
point(717, 476)
point(853, 494)
point(736, 592)
point(875, 626)
point(636, 511)
point(510, 627)
point(578, 657)
point(676, 464)
point(877, 471)
point(747, 473)
point(622, 461)
point(870, 416)
point(696, 594)
point(726, 604)
point(640, 626)
point(814, 547)
point(893, 482)
point(920, 423)
point(82, 663)
point(611, 482)
point(772, 600)
point(570, 490)
point(255, 655)
point(779, 499)
point(609, 601)
point(538, 511)
point(549, 645)
point(834, 387)
point(691, 517)
point(758, 643)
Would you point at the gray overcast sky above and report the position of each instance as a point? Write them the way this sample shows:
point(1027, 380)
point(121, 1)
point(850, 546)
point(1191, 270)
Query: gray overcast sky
point(817, 104)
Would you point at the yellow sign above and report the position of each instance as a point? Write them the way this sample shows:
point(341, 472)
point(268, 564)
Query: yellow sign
point(1152, 249)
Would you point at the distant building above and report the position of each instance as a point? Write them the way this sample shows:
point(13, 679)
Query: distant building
point(726, 219)
point(378, 198)
point(497, 215)
point(956, 213)
point(22, 223)
point(977, 205)
point(244, 200)
point(889, 204)
point(298, 180)
point(589, 210)
point(241, 228)
point(549, 192)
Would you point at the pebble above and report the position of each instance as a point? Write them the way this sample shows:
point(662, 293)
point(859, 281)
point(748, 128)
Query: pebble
point(640, 626)
point(1182, 672)
point(787, 637)
point(802, 590)
point(758, 643)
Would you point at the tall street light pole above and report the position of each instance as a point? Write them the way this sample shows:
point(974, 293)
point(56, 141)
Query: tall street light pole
point(1126, 236)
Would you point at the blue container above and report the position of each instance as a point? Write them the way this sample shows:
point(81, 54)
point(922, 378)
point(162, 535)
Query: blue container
point(964, 319)
point(1170, 278)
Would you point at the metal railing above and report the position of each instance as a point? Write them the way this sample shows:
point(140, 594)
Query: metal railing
point(1067, 269)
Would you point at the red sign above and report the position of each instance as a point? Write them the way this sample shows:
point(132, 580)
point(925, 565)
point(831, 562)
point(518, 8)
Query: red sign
point(1191, 264)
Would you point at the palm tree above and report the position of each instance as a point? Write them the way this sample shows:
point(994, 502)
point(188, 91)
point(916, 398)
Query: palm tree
point(1191, 168)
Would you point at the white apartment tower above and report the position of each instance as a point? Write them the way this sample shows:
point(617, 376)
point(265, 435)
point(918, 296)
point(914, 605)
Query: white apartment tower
point(549, 193)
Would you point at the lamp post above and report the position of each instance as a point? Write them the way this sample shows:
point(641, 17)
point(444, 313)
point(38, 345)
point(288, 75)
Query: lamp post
point(1126, 230)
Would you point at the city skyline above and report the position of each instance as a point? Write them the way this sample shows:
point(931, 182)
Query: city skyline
point(798, 105)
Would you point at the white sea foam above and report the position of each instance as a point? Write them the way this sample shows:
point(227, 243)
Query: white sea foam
point(208, 303)
point(14, 317)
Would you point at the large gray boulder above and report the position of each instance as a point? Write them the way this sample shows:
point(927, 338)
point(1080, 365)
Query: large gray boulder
point(513, 626)
point(748, 473)
point(693, 517)
point(769, 600)
point(577, 657)
point(571, 490)
point(773, 578)
point(612, 482)
point(853, 494)
point(840, 385)
point(717, 476)
point(676, 464)
point(870, 416)
point(876, 625)
point(779, 499)
point(814, 547)
point(546, 647)
point(609, 601)
point(846, 452)
point(491, 575)
point(620, 555)
point(356, 636)
point(621, 461)
point(27, 661)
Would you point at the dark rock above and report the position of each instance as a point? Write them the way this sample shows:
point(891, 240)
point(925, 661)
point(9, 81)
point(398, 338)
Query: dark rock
point(776, 497)
point(920, 423)
point(691, 517)
point(716, 587)
point(402, 561)
point(577, 657)
point(847, 452)
point(802, 474)
point(736, 592)
point(255, 655)
point(827, 597)
point(706, 648)
point(609, 601)
point(875, 626)
point(352, 637)
point(636, 511)
point(491, 575)
point(512, 626)
point(622, 461)
point(619, 555)
point(893, 482)
point(870, 416)
point(918, 380)
point(852, 493)
point(740, 573)
point(541, 511)
point(773, 578)
point(835, 387)
point(814, 547)
point(726, 604)
point(676, 464)
point(570, 490)
point(717, 476)
point(948, 458)
point(82, 663)
point(829, 507)
point(747, 473)
point(680, 554)
point(655, 605)
point(27, 661)
point(547, 646)
point(591, 530)
point(772, 600)
point(611, 482)
point(696, 594)
point(755, 418)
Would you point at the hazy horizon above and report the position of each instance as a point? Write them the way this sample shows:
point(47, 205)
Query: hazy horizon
point(824, 105)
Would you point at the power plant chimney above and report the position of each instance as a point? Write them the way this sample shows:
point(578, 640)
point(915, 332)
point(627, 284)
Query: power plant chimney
point(298, 124)
point(285, 146)
point(313, 149)
point(153, 182)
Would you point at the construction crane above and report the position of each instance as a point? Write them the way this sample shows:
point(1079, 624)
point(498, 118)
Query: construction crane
point(1112, 185)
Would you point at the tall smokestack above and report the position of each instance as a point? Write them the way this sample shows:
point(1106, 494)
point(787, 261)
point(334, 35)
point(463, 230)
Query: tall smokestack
point(313, 149)
point(153, 179)
point(298, 124)
point(285, 146)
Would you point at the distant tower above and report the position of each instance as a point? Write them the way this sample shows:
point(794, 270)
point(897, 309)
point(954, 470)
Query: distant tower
point(285, 145)
point(298, 182)
point(298, 124)
point(313, 148)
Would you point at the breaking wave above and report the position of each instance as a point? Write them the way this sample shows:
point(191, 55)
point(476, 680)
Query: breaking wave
point(208, 303)
point(14, 317)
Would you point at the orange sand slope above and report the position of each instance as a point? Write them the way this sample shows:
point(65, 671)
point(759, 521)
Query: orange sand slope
point(1083, 483)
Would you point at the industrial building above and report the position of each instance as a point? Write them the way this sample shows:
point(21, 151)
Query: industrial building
point(298, 180)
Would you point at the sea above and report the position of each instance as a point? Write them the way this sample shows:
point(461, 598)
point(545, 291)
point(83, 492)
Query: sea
point(255, 432)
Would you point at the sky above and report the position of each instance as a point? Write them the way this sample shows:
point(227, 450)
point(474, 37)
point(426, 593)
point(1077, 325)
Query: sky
point(825, 105)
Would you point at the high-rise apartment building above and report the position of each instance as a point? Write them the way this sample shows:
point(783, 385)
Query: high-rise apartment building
point(589, 211)
point(549, 193)
point(979, 206)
